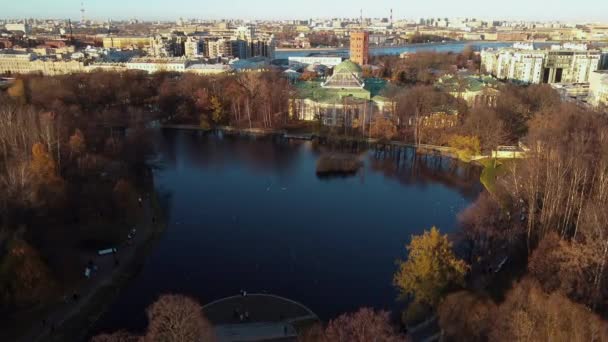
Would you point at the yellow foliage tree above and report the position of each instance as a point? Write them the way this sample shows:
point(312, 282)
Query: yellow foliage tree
point(383, 128)
point(17, 91)
point(42, 165)
point(204, 122)
point(466, 146)
point(77, 143)
point(24, 276)
point(49, 186)
point(217, 110)
point(431, 269)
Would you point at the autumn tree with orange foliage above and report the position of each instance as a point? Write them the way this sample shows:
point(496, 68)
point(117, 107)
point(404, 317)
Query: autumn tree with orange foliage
point(529, 314)
point(568, 267)
point(17, 91)
point(308, 76)
point(49, 184)
point(42, 165)
point(77, 143)
point(466, 316)
point(24, 276)
point(383, 128)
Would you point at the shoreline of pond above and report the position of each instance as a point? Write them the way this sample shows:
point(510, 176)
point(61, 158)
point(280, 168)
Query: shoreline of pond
point(76, 325)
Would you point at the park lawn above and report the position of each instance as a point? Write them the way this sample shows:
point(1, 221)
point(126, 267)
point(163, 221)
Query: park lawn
point(491, 169)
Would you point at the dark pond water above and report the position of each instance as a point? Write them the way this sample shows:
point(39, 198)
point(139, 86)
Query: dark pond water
point(252, 214)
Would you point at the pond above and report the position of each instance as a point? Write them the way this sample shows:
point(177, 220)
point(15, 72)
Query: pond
point(251, 213)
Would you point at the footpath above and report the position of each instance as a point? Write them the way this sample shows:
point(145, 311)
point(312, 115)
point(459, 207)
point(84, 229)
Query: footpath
point(78, 311)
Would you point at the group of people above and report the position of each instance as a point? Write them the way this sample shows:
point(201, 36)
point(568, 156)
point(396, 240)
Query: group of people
point(241, 316)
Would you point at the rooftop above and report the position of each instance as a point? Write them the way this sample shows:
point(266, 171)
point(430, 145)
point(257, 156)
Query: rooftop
point(258, 317)
point(202, 66)
point(314, 91)
point(471, 83)
point(347, 67)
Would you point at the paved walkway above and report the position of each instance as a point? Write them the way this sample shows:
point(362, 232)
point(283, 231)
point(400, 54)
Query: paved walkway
point(107, 271)
point(255, 332)
point(258, 317)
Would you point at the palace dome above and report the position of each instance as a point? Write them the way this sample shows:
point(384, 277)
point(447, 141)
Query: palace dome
point(347, 67)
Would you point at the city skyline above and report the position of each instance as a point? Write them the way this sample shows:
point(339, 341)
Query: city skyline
point(581, 11)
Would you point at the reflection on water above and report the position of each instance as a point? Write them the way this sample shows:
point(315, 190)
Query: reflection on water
point(248, 213)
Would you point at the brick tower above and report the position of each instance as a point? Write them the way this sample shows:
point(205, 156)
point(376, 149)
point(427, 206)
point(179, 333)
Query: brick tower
point(359, 47)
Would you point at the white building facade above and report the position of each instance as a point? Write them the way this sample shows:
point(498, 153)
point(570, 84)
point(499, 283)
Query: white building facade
point(598, 89)
point(560, 64)
point(329, 61)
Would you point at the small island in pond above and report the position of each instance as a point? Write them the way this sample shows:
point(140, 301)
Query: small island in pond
point(338, 163)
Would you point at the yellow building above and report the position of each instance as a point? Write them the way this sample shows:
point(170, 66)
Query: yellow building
point(125, 42)
point(302, 29)
point(20, 63)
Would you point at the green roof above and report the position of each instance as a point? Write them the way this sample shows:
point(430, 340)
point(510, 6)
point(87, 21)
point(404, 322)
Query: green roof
point(471, 83)
point(314, 91)
point(375, 85)
point(348, 67)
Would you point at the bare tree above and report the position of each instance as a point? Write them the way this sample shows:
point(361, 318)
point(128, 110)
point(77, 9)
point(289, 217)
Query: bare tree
point(175, 318)
point(364, 325)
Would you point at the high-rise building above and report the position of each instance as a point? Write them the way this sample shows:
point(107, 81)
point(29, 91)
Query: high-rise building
point(598, 89)
point(167, 45)
point(222, 47)
point(18, 27)
point(560, 64)
point(262, 47)
point(359, 47)
point(194, 47)
point(246, 33)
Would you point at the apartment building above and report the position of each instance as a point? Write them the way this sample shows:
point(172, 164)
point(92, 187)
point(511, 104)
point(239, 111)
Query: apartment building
point(194, 47)
point(152, 65)
point(566, 63)
point(123, 42)
point(26, 63)
point(598, 89)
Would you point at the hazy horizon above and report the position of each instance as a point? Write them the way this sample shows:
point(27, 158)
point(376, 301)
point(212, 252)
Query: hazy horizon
point(560, 10)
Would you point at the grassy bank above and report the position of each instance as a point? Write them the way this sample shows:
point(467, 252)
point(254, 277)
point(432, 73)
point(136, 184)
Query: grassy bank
point(491, 169)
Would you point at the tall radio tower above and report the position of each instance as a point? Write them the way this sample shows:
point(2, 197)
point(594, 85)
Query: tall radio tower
point(82, 19)
point(361, 18)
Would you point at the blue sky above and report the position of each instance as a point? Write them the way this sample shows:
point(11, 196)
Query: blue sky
point(580, 10)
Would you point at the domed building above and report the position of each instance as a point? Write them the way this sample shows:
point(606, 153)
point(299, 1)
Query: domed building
point(343, 99)
point(347, 75)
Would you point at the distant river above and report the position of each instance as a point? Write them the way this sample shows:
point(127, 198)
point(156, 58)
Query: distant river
point(252, 214)
point(381, 51)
